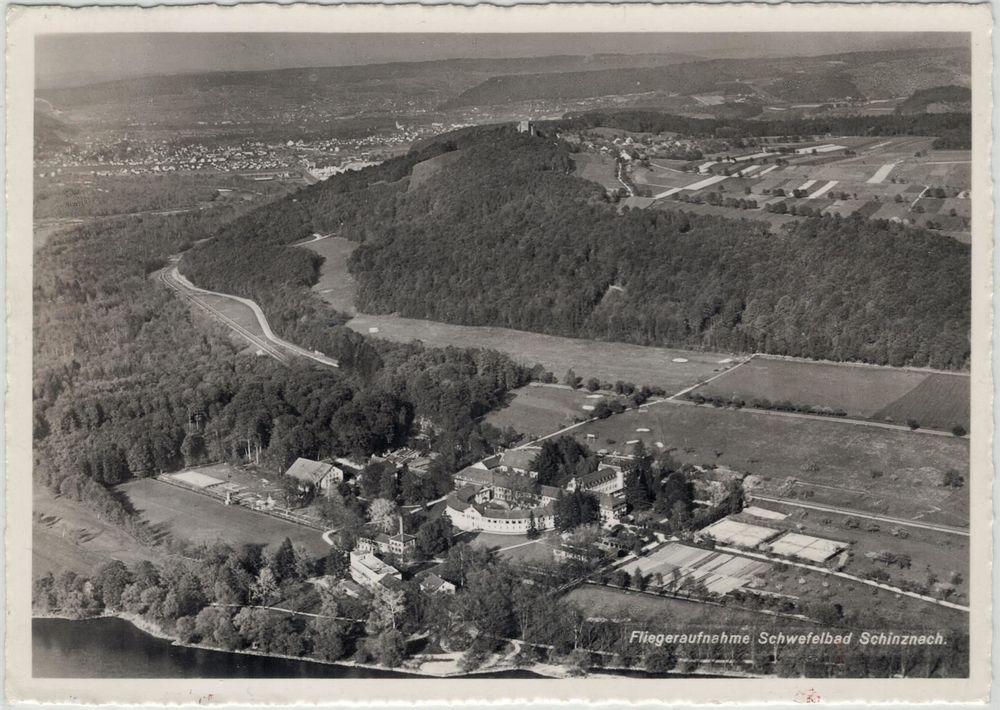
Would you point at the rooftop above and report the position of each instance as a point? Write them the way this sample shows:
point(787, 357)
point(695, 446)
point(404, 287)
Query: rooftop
point(309, 471)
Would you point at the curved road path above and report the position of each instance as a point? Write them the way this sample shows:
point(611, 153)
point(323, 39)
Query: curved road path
point(177, 280)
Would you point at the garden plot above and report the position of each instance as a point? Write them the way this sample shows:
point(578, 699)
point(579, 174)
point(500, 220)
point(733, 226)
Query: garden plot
point(733, 532)
point(807, 547)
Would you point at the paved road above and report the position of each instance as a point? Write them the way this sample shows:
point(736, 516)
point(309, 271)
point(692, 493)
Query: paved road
point(858, 514)
point(255, 340)
point(178, 279)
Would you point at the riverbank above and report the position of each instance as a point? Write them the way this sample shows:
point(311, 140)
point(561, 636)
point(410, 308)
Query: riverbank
point(448, 668)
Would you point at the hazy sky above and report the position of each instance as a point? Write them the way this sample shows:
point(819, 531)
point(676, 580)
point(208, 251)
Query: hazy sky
point(72, 59)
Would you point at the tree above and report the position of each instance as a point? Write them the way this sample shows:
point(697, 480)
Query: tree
point(283, 565)
point(958, 430)
point(593, 384)
point(434, 536)
point(571, 379)
point(953, 479)
point(382, 513)
point(576, 508)
point(639, 580)
point(661, 659)
point(327, 639)
point(111, 580)
point(532, 526)
point(265, 588)
point(388, 648)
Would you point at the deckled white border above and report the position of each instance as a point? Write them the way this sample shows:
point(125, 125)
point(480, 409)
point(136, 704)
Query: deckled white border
point(24, 23)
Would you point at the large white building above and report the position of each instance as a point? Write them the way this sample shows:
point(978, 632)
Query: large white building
point(371, 572)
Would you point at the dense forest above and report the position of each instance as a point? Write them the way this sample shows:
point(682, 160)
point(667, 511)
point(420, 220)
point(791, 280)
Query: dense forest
point(958, 126)
point(129, 383)
point(507, 236)
point(527, 246)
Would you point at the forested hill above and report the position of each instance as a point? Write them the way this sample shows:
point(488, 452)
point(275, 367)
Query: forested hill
point(505, 235)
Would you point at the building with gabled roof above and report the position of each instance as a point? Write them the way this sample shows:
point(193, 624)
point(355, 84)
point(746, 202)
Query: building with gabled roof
point(323, 475)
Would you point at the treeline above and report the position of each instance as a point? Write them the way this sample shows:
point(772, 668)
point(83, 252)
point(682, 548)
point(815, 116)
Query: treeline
point(505, 238)
point(639, 121)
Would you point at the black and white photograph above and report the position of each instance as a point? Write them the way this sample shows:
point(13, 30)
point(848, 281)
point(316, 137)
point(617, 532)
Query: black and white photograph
point(507, 356)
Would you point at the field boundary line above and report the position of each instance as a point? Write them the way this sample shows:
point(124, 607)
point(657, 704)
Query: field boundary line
point(843, 575)
point(860, 514)
point(683, 392)
point(814, 417)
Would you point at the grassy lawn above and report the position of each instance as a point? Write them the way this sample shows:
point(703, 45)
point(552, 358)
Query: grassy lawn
point(336, 286)
point(642, 365)
point(618, 604)
point(521, 549)
point(597, 168)
point(939, 402)
point(67, 536)
point(535, 411)
point(774, 448)
point(197, 518)
point(865, 392)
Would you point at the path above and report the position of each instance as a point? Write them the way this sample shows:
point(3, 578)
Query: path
point(326, 537)
point(178, 279)
point(858, 514)
point(842, 575)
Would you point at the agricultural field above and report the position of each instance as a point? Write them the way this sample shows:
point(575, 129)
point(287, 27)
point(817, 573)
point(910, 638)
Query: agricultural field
point(68, 536)
point(939, 401)
point(599, 602)
point(671, 369)
point(910, 466)
point(539, 410)
point(893, 395)
point(200, 519)
point(336, 286)
point(943, 554)
point(597, 167)
point(879, 177)
point(884, 608)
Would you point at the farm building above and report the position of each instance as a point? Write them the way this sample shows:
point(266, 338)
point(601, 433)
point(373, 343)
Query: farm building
point(432, 584)
point(518, 461)
point(400, 543)
point(607, 479)
point(324, 476)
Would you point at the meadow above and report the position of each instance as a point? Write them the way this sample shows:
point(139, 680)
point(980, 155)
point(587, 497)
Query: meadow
point(908, 466)
point(336, 286)
point(536, 410)
point(629, 606)
point(671, 369)
point(892, 395)
point(199, 519)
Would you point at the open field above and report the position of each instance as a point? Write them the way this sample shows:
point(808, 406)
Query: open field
point(642, 365)
point(882, 393)
point(939, 401)
point(67, 536)
point(336, 286)
point(539, 410)
point(863, 175)
point(628, 606)
point(596, 168)
point(815, 451)
point(200, 519)
point(517, 548)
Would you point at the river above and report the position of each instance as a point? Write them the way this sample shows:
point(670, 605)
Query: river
point(114, 648)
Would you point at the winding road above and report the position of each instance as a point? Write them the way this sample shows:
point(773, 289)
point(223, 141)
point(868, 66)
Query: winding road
point(272, 344)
